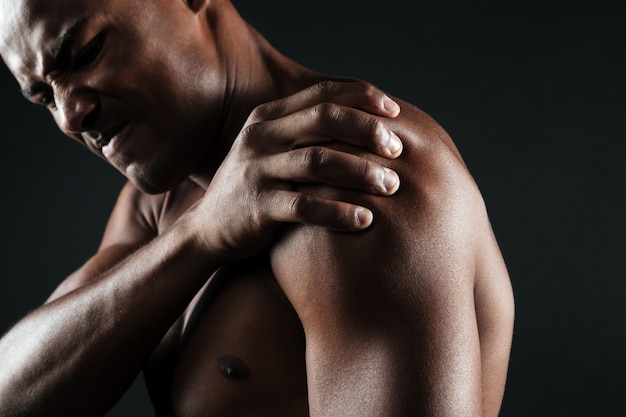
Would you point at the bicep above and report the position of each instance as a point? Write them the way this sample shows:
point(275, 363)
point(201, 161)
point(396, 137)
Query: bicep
point(389, 318)
point(130, 226)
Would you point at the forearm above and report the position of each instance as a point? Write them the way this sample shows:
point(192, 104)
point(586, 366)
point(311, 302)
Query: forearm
point(84, 349)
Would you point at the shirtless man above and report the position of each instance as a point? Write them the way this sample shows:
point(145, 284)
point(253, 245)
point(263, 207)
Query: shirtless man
point(264, 259)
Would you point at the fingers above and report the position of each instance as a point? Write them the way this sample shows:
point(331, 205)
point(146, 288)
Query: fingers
point(326, 122)
point(350, 93)
point(351, 108)
point(324, 165)
point(293, 207)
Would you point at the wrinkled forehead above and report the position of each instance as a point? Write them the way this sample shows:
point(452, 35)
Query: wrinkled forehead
point(29, 28)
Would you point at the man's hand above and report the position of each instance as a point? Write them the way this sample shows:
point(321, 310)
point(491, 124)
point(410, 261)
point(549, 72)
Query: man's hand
point(282, 144)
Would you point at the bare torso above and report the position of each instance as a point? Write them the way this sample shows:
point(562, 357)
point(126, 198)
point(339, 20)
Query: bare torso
point(239, 348)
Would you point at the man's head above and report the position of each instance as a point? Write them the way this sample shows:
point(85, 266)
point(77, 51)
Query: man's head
point(144, 73)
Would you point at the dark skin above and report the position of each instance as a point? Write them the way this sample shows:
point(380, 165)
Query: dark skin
point(255, 263)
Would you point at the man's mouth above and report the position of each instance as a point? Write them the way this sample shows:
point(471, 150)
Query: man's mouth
point(112, 139)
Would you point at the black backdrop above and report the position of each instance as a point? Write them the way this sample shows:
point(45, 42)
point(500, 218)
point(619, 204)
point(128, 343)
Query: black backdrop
point(535, 104)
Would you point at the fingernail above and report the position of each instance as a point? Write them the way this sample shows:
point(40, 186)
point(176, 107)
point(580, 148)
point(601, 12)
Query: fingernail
point(390, 181)
point(394, 144)
point(391, 106)
point(364, 217)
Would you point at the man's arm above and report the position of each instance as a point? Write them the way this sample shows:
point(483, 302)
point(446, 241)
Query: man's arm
point(389, 314)
point(132, 224)
point(77, 354)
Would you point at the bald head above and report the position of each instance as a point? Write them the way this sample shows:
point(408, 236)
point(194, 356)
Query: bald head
point(29, 31)
point(14, 14)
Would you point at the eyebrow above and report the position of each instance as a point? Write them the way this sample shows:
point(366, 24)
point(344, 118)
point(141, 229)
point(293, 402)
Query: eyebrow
point(60, 52)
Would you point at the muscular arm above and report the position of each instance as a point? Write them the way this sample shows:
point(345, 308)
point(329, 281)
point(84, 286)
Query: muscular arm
point(390, 313)
point(77, 354)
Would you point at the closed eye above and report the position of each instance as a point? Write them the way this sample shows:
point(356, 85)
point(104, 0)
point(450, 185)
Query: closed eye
point(90, 52)
point(39, 93)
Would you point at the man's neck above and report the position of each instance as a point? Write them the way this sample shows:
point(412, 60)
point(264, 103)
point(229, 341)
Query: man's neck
point(256, 73)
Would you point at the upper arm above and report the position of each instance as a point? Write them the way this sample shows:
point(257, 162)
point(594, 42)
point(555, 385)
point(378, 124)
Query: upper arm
point(132, 223)
point(389, 313)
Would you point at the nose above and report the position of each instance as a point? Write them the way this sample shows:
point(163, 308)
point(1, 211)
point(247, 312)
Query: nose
point(75, 112)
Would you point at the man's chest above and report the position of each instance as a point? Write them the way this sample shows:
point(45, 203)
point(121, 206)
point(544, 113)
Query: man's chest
point(238, 350)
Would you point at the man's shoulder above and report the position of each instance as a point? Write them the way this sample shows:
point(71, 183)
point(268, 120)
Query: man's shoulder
point(435, 181)
point(437, 211)
point(428, 149)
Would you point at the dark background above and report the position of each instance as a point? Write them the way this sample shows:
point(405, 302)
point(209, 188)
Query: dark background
point(536, 105)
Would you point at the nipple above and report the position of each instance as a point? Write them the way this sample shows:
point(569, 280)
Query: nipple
point(233, 368)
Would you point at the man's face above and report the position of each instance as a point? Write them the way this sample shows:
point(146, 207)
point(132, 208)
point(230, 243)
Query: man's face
point(136, 81)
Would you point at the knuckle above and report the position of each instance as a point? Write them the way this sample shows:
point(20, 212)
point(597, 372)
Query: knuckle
point(328, 111)
point(372, 174)
point(364, 89)
point(368, 89)
point(327, 88)
point(257, 114)
point(376, 128)
point(314, 159)
point(265, 111)
point(251, 132)
point(298, 205)
point(257, 215)
point(267, 208)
